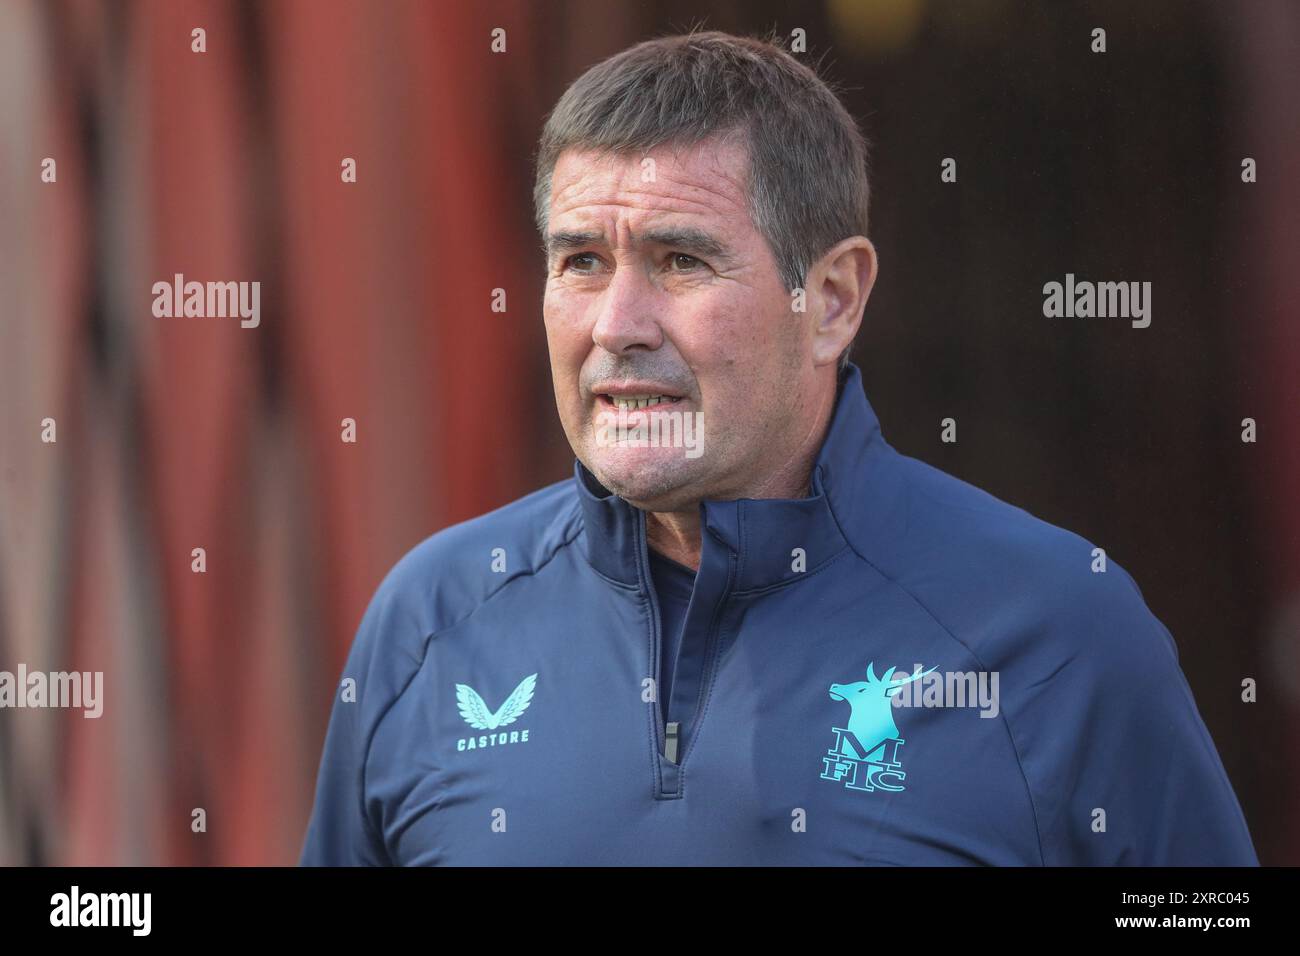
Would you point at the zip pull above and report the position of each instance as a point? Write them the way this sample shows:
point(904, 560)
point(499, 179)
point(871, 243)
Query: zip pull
point(670, 740)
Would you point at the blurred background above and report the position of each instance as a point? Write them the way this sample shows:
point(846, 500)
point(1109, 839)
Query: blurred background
point(175, 433)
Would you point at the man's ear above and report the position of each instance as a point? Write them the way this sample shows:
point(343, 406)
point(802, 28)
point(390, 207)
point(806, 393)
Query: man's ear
point(839, 284)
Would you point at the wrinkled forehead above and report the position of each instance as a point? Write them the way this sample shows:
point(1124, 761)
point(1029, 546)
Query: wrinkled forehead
point(706, 179)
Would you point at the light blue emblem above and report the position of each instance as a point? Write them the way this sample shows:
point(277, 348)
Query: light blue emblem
point(476, 713)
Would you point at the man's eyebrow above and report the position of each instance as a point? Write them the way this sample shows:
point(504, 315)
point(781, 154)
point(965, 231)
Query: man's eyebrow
point(570, 240)
point(693, 241)
point(689, 240)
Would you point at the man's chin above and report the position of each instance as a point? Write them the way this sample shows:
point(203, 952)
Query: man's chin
point(649, 485)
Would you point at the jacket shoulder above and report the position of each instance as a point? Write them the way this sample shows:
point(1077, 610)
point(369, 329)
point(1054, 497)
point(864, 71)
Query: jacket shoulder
point(994, 573)
point(452, 571)
point(444, 578)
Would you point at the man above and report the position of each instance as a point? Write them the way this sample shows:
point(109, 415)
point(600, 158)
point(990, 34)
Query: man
point(748, 631)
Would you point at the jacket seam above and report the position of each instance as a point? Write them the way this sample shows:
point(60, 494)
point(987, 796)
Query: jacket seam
point(487, 598)
point(365, 755)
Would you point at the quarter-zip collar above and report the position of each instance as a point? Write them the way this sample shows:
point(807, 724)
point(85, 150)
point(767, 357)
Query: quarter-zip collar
point(774, 540)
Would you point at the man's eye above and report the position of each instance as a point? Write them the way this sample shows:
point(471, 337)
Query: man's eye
point(582, 262)
point(685, 263)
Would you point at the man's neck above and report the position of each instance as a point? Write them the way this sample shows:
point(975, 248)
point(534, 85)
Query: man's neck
point(675, 535)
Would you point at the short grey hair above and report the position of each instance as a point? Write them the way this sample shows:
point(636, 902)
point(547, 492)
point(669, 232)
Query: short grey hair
point(808, 186)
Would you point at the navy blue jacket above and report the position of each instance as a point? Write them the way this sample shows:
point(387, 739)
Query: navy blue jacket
point(498, 703)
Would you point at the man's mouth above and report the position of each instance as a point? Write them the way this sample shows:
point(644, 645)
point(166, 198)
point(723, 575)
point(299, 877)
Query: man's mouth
point(631, 403)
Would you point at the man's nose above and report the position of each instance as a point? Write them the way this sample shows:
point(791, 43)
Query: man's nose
point(626, 313)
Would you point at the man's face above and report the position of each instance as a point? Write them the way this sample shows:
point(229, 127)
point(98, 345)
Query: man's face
point(659, 284)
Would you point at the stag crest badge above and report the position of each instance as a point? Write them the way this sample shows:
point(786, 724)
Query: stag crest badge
point(866, 752)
